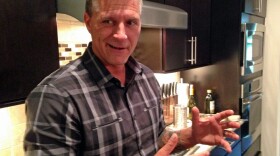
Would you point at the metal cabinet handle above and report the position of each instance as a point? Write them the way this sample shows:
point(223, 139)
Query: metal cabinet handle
point(191, 59)
point(252, 98)
point(193, 42)
point(259, 8)
point(195, 49)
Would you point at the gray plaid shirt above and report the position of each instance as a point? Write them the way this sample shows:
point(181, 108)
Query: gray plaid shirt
point(81, 109)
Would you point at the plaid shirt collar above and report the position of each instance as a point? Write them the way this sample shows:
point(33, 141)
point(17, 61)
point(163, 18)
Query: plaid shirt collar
point(98, 71)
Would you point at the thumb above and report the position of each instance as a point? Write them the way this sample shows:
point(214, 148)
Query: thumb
point(169, 146)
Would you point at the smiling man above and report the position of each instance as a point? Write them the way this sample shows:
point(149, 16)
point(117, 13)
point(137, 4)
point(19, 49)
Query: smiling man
point(115, 28)
point(107, 103)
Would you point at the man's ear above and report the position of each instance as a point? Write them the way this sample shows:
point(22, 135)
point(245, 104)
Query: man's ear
point(87, 21)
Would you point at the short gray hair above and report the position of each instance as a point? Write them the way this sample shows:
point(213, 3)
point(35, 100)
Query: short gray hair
point(94, 5)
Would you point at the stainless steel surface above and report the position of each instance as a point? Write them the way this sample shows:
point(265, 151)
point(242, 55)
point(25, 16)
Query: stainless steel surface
point(253, 27)
point(260, 6)
point(251, 87)
point(253, 108)
point(180, 117)
point(256, 7)
point(154, 15)
point(252, 48)
point(157, 15)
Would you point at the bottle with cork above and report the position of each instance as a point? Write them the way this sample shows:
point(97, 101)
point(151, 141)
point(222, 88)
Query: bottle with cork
point(209, 102)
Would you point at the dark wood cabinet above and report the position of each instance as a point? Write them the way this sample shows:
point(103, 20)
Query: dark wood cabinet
point(28, 49)
point(197, 52)
point(186, 49)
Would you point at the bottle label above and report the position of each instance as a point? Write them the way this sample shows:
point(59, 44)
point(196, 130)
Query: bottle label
point(212, 107)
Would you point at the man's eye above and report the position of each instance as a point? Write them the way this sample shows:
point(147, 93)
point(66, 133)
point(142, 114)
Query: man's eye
point(107, 22)
point(132, 22)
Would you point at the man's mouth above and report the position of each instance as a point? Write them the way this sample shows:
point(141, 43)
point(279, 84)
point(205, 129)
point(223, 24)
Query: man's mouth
point(118, 48)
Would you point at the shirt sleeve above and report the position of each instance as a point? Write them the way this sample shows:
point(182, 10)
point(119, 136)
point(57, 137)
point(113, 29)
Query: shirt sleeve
point(52, 123)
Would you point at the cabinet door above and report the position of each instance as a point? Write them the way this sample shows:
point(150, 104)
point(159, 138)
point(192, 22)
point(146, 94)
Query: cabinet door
point(28, 48)
point(176, 41)
point(174, 50)
point(197, 51)
point(256, 7)
point(199, 39)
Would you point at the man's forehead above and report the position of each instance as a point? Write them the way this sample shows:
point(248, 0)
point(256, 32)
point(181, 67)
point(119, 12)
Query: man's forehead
point(106, 5)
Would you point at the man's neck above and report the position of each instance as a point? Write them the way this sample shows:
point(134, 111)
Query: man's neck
point(118, 72)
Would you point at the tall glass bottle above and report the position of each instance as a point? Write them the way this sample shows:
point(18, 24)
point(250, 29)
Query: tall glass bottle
point(191, 102)
point(209, 103)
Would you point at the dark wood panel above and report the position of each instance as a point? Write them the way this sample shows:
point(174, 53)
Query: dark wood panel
point(28, 49)
point(183, 4)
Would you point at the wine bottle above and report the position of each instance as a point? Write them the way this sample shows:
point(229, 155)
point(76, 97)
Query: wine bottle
point(191, 102)
point(209, 103)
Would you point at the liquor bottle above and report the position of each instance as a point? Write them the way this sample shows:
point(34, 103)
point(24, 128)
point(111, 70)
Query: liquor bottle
point(191, 102)
point(209, 103)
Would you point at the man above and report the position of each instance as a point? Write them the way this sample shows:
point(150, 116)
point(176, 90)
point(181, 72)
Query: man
point(106, 103)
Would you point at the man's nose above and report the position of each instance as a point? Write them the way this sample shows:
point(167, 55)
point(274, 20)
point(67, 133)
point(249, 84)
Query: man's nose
point(120, 32)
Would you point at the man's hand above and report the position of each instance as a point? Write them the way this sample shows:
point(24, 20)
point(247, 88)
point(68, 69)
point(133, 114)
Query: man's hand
point(169, 146)
point(212, 131)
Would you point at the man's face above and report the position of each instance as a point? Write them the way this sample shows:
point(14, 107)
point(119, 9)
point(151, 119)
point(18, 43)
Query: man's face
point(115, 30)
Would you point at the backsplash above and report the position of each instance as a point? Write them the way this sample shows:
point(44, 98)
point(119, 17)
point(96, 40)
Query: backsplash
point(69, 52)
point(73, 38)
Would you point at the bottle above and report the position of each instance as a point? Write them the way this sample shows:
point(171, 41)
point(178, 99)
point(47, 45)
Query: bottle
point(191, 102)
point(209, 103)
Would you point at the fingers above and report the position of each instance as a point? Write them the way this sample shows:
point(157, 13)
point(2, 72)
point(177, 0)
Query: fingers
point(195, 115)
point(231, 135)
point(169, 146)
point(224, 114)
point(230, 124)
point(226, 146)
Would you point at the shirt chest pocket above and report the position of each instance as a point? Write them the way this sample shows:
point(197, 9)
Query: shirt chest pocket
point(101, 133)
point(147, 116)
point(105, 124)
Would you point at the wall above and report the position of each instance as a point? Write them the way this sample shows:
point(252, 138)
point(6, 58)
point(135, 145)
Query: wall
point(271, 116)
point(73, 39)
point(12, 126)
